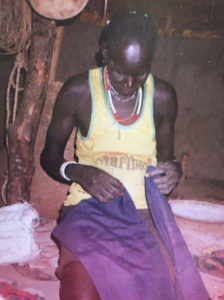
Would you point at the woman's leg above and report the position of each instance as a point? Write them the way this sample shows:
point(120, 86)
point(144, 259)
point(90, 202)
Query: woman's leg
point(76, 283)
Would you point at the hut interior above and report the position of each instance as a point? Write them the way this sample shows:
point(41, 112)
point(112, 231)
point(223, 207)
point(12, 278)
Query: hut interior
point(189, 54)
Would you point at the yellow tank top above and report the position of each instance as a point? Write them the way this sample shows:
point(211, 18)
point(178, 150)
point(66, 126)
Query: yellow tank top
point(124, 151)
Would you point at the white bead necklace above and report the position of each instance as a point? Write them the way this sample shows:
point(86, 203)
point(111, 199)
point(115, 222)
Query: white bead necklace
point(116, 95)
point(139, 102)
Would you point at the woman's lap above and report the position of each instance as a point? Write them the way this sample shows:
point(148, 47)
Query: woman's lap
point(67, 257)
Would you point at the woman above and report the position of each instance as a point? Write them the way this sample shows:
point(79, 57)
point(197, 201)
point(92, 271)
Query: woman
point(125, 119)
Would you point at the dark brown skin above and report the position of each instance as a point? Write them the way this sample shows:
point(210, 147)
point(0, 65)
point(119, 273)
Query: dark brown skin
point(128, 70)
point(76, 283)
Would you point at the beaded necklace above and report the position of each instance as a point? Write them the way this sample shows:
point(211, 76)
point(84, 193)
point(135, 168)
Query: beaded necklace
point(116, 95)
point(137, 109)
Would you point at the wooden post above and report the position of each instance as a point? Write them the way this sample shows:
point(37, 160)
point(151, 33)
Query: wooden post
point(183, 162)
point(22, 132)
point(59, 33)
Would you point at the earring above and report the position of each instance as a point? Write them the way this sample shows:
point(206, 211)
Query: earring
point(104, 61)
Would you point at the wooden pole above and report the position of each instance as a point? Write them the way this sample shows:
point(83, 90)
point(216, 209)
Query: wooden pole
point(59, 33)
point(22, 132)
point(184, 159)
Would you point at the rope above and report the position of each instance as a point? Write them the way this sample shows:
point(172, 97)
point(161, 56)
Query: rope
point(20, 64)
point(15, 25)
point(3, 190)
point(15, 28)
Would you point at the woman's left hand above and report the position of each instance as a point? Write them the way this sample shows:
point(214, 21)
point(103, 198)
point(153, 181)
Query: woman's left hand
point(166, 175)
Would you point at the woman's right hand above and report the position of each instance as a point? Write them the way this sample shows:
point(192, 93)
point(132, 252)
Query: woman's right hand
point(95, 182)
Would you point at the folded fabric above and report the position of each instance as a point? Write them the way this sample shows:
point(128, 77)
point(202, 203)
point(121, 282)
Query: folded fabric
point(18, 223)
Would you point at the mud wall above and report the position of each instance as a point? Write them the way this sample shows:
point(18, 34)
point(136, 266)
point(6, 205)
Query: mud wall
point(193, 66)
point(196, 69)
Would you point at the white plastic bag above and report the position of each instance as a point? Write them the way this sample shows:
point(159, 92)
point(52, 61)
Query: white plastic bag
point(17, 229)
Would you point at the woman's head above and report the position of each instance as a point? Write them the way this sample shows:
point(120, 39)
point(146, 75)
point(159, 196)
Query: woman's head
point(129, 28)
point(128, 44)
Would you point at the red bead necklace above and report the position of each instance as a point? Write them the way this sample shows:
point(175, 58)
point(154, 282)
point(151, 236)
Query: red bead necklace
point(137, 109)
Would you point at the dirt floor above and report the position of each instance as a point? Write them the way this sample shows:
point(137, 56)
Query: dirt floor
point(49, 289)
point(190, 188)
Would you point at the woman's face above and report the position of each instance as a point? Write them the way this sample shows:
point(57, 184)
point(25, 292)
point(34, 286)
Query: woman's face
point(128, 68)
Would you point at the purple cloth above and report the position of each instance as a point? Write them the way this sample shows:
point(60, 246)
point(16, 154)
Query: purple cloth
point(189, 285)
point(122, 256)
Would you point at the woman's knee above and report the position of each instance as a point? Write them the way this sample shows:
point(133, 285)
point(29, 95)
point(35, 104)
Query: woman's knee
point(76, 284)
